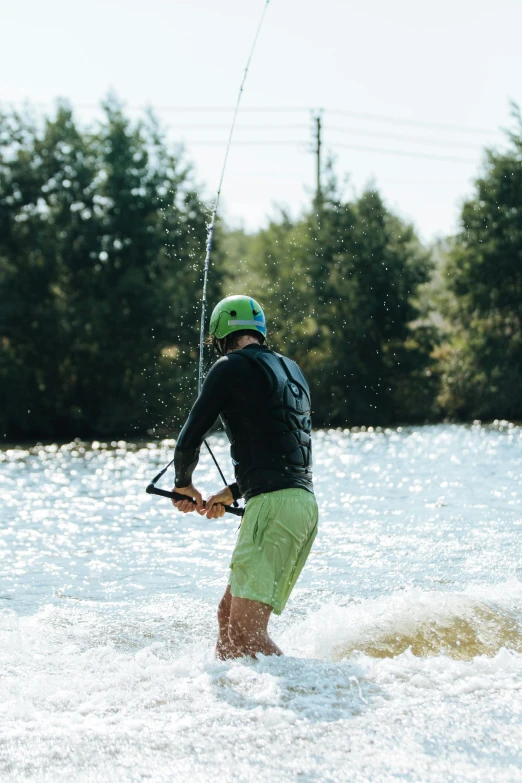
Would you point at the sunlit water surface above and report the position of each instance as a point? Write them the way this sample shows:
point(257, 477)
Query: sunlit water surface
point(403, 636)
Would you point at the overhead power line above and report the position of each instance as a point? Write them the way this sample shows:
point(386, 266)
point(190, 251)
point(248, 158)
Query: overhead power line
point(285, 110)
point(329, 128)
point(339, 112)
point(305, 142)
point(402, 137)
point(250, 143)
point(285, 126)
point(405, 153)
point(416, 123)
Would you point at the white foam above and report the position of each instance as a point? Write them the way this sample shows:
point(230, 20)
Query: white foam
point(81, 700)
point(479, 620)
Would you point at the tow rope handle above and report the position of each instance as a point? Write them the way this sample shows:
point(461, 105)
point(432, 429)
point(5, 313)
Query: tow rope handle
point(152, 490)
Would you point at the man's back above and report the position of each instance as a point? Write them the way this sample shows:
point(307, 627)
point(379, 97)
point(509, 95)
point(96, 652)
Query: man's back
point(264, 402)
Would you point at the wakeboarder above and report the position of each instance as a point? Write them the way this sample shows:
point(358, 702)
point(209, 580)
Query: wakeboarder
point(264, 402)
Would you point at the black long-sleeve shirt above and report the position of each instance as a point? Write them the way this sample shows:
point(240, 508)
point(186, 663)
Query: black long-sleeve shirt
point(234, 385)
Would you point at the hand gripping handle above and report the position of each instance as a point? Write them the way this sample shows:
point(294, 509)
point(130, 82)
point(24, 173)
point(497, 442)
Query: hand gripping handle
point(152, 490)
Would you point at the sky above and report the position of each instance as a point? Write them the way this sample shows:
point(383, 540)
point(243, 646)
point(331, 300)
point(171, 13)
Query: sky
point(411, 93)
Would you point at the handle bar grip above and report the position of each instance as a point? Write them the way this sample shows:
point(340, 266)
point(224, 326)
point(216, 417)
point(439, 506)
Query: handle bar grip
point(152, 490)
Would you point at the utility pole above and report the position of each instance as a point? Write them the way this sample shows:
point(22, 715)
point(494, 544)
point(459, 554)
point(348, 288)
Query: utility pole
point(317, 150)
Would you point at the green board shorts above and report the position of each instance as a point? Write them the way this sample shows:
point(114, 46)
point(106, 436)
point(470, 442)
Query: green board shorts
point(276, 535)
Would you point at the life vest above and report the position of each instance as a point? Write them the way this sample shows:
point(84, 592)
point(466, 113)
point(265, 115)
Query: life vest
point(274, 443)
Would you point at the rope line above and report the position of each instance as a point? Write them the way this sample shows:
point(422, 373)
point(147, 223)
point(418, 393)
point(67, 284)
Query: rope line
point(151, 489)
point(216, 203)
point(211, 232)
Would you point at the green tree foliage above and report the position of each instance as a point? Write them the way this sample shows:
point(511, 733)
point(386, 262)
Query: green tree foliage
point(340, 289)
point(101, 234)
point(482, 363)
point(102, 237)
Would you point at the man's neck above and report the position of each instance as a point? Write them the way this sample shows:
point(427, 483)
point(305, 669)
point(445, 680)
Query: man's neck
point(243, 341)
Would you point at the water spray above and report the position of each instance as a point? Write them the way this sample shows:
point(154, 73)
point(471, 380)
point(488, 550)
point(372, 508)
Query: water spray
point(152, 489)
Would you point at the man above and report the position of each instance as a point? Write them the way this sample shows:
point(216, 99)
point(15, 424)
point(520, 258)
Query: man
point(263, 400)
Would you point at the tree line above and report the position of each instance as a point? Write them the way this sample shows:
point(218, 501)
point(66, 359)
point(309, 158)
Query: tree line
point(102, 234)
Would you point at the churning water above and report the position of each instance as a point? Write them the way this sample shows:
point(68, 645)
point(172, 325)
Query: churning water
point(403, 636)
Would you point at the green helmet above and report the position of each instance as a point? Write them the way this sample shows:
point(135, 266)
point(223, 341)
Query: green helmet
point(235, 313)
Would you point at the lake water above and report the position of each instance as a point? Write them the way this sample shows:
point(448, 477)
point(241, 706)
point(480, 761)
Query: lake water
point(403, 637)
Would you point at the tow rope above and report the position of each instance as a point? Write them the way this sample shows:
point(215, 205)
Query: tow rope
point(151, 488)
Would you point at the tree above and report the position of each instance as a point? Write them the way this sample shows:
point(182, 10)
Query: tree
point(41, 175)
point(100, 233)
point(340, 286)
point(482, 363)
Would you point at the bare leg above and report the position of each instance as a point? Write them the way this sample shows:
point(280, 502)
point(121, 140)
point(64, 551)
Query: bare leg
point(224, 647)
point(247, 628)
point(243, 628)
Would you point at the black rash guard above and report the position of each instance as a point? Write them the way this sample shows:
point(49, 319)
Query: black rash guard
point(236, 389)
